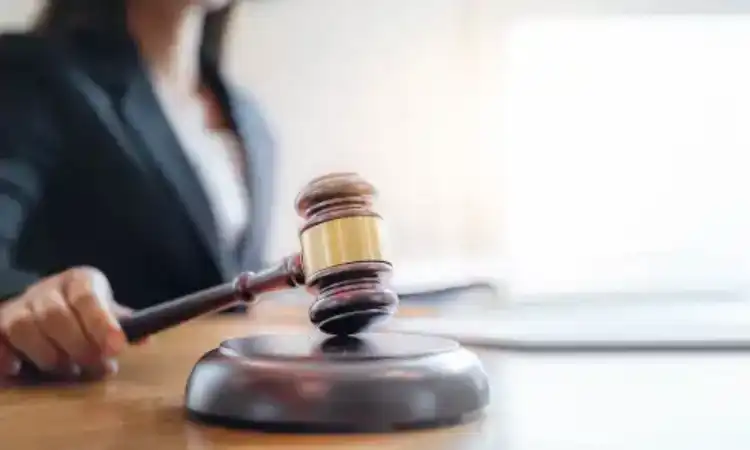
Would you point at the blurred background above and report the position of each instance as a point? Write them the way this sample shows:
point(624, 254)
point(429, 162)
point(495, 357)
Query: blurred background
point(554, 147)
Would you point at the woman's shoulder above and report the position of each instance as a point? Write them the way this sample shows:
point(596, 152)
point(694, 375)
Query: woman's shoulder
point(26, 54)
point(26, 93)
point(28, 67)
point(35, 57)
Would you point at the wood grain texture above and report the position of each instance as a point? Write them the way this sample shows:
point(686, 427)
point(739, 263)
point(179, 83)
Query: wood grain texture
point(553, 401)
point(141, 406)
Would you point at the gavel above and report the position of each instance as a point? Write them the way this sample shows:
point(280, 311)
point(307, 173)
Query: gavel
point(341, 261)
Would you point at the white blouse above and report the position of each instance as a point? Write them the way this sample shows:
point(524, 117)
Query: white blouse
point(217, 158)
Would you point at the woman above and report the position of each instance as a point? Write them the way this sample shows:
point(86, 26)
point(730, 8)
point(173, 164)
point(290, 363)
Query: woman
point(130, 173)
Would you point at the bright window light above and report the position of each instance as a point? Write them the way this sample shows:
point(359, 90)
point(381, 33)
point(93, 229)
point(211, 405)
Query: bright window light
point(625, 149)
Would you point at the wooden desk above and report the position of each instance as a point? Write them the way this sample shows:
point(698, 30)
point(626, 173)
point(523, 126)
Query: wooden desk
point(540, 402)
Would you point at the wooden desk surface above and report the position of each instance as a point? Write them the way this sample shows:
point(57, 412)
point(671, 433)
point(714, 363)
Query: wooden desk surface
point(539, 401)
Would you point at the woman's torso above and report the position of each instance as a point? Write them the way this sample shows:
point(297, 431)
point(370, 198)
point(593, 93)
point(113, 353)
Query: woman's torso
point(128, 195)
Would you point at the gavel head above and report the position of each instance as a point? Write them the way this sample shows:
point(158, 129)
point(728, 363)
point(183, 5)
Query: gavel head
point(342, 254)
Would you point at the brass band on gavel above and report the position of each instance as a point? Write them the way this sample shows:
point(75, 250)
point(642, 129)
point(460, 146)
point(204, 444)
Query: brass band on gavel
point(341, 241)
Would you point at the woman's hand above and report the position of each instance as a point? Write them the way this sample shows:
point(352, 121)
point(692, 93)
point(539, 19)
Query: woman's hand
point(65, 324)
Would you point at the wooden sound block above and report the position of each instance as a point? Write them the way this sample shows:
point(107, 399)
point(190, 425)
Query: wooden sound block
point(318, 383)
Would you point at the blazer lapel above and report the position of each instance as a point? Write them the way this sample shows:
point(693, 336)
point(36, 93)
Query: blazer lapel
point(150, 135)
point(142, 112)
point(256, 141)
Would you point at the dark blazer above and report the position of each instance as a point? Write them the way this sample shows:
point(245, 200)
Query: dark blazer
point(92, 174)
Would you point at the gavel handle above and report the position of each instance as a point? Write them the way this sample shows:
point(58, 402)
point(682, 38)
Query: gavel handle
point(246, 287)
point(159, 317)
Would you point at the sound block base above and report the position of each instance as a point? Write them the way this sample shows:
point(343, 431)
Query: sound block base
point(321, 384)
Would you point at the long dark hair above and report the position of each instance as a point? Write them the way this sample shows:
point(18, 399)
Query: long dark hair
point(59, 16)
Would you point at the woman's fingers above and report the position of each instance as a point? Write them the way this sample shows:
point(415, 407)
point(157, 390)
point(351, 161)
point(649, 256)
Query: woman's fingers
point(65, 324)
point(60, 325)
point(21, 331)
point(89, 296)
point(120, 311)
point(9, 362)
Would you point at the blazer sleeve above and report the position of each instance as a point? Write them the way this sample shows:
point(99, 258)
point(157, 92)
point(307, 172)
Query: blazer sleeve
point(28, 153)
